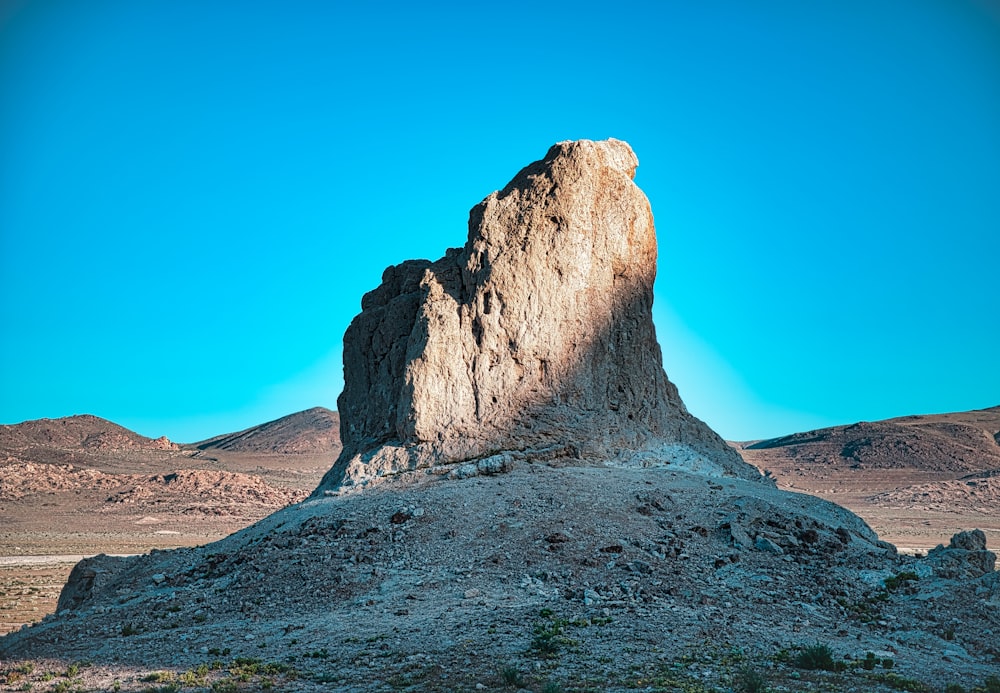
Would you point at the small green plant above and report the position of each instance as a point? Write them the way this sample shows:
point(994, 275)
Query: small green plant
point(194, 677)
point(992, 684)
point(900, 580)
point(900, 683)
point(954, 688)
point(172, 687)
point(749, 680)
point(128, 629)
point(511, 677)
point(869, 662)
point(816, 656)
point(549, 637)
point(552, 687)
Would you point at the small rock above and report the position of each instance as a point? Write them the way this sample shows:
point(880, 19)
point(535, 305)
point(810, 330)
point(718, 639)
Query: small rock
point(970, 541)
point(159, 578)
point(472, 594)
point(764, 544)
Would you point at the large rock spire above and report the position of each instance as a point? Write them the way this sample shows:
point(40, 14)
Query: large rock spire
point(534, 340)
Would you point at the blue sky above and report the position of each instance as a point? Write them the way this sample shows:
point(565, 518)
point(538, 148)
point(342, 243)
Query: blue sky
point(195, 195)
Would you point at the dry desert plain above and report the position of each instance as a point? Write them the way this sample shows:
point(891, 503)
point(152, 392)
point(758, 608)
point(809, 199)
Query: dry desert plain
point(80, 486)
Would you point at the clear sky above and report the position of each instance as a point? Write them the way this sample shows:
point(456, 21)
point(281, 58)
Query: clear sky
point(194, 195)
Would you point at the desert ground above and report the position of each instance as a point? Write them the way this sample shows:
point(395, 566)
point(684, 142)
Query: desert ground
point(52, 517)
point(82, 486)
point(916, 480)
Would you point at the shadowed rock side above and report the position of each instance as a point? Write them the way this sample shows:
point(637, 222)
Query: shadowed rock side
point(535, 339)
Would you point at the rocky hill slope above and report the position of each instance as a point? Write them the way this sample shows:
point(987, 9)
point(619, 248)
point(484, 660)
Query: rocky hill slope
point(581, 531)
point(82, 431)
point(314, 431)
point(954, 444)
point(915, 478)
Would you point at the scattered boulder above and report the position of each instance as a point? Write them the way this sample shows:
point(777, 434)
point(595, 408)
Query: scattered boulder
point(964, 558)
point(89, 576)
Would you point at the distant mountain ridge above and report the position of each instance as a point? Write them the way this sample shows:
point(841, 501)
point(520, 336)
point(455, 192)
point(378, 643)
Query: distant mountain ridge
point(960, 442)
point(312, 432)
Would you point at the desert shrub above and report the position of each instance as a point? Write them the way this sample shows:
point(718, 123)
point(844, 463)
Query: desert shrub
point(900, 683)
point(816, 656)
point(992, 684)
point(749, 680)
point(549, 638)
point(954, 688)
point(899, 580)
point(511, 677)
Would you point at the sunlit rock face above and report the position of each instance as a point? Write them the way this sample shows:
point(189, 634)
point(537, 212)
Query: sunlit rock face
point(533, 341)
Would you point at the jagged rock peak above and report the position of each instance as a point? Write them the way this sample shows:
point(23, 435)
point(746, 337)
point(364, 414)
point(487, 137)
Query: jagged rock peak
point(535, 340)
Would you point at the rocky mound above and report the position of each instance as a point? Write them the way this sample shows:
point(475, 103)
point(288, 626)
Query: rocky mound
point(19, 479)
point(201, 491)
point(314, 431)
point(85, 432)
point(948, 443)
point(197, 490)
point(535, 339)
point(604, 578)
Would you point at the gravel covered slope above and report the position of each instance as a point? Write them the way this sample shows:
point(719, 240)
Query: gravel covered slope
point(622, 572)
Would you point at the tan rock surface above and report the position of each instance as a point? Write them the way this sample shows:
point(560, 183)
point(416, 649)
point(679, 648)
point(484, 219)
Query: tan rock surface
point(536, 337)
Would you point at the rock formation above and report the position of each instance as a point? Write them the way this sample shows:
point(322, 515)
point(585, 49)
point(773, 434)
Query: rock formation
point(534, 340)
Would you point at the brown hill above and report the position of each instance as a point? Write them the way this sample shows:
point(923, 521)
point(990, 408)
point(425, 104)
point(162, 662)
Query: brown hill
point(914, 479)
point(83, 431)
point(962, 442)
point(314, 431)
